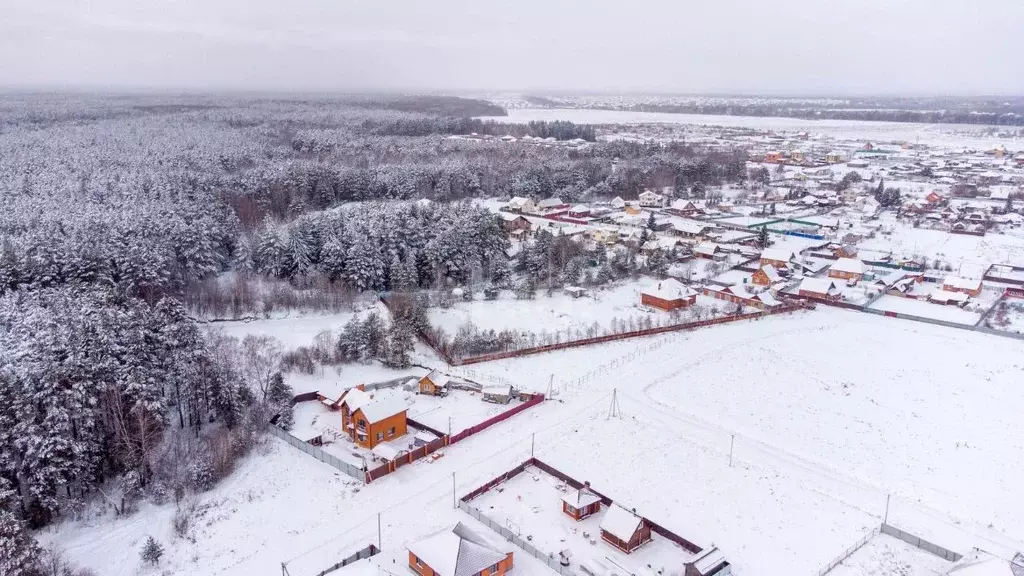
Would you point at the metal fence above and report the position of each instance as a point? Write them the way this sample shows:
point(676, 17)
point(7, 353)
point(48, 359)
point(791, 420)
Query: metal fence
point(921, 543)
point(550, 559)
point(848, 552)
point(319, 454)
point(367, 552)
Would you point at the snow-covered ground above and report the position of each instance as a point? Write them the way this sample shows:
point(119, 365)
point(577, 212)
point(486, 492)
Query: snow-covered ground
point(969, 256)
point(829, 412)
point(531, 504)
point(884, 555)
point(1009, 317)
point(926, 309)
point(458, 410)
point(600, 311)
point(953, 135)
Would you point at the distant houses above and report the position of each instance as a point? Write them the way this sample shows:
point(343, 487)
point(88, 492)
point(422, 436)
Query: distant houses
point(847, 269)
point(651, 199)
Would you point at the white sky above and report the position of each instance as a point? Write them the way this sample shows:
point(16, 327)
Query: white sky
point(730, 46)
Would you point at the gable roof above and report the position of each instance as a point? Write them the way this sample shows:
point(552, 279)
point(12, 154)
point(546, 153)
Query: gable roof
point(670, 289)
point(851, 265)
point(383, 406)
point(768, 299)
point(620, 523)
point(962, 283)
point(440, 379)
point(709, 248)
point(817, 285)
point(777, 254)
point(457, 551)
point(770, 271)
point(355, 399)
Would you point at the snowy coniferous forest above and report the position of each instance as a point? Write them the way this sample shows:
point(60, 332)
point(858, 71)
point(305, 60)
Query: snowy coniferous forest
point(117, 213)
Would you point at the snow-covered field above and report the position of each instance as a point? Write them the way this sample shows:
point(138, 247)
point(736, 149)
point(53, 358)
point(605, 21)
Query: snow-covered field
point(969, 256)
point(954, 135)
point(458, 410)
point(829, 410)
point(291, 332)
point(925, 309)
point(591, 315)
point(884, 555)
point(1009, 317)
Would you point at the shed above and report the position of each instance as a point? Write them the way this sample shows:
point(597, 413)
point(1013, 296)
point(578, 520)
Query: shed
point(500, 394)
point(575, 291)
point(707, 563)
point(624, 529)
point(965, 285)
point(581, 503)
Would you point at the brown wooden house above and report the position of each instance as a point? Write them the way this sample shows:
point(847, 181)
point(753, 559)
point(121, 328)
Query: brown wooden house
point(624, 529)
point(581, 503)
point(668, 295)
point(435, 383)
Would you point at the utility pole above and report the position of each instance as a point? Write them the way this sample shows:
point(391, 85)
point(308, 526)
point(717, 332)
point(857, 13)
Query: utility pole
point(449, 426)
point(455, 504)
point(379, 543)
point(886, 519)
point(613, 410)
point(533, 439)
point(732, 442)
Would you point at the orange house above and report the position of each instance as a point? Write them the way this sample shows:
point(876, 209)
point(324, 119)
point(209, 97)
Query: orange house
point(964, 285)
point(457, 551)
point(766, 276)
point(434, 384)
point(668, 295)
point(776, 257)
point(370, 420)
point(847, 269)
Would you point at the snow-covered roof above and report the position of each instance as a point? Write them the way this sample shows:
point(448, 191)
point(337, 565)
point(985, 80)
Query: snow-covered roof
point(851, 265)
point(580, 208)
point(708, 248)
point(499, 390)
point(768, 299)
point(777, 254)
point(706, 561)
point(424, 436)
point(355, 399)
point(772, 274)
point(670, 289)
point(962, 283)
point(382, 407)
point(620, 523)
point(457, 551)
point(387, 451)
point(946, 296)
point(689, 226)
point(440, 379)
point(580, 498)
point(739, 291)
point(548, 202)
point(817, 285)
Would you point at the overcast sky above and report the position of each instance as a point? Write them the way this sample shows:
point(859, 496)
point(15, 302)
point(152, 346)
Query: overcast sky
point(720, 46)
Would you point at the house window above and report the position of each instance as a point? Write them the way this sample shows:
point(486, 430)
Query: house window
point(572, 510)
point(416, 560)
point(380, 436)
point(391, 431)
point(362, 423)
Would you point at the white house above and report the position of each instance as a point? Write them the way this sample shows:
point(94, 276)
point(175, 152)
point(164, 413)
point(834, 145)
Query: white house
point(651, 199)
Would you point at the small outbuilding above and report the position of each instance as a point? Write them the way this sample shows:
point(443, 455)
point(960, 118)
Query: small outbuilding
point(501, 394)
point(581, 503)
point(435, 383)
point(624, 529)
point(965, 285)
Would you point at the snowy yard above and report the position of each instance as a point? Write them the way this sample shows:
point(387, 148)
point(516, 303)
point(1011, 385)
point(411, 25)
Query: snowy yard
point(926, 309)
point(885, 555)
point(599, 312)
point(1009, 317)
point(459, 409)
point(531, 504)
point(295, 331)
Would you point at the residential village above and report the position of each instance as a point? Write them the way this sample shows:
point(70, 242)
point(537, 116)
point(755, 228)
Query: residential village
point(805, 373)
point(813, 233)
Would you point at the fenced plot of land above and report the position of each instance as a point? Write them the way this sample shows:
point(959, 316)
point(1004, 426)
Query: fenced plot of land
point(530, 506)
point(459, 409)
point(926, 309)
point(886, 555)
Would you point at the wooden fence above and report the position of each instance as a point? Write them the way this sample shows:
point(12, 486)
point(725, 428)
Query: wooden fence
point(627, 335)
point(445, 440)
point(533, 401)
